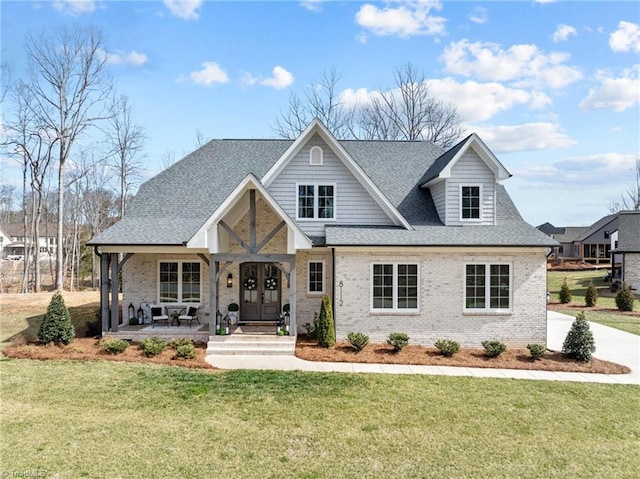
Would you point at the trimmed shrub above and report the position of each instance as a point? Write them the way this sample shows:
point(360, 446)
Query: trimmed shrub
point(326, 331)
point(494, 348)
point(133, 321)
point(56, 325)
point(398, 341)
point(114, 345)
point(537, 350)
point(358, 340)
point(153, 346)
point(579, 343)
point(186, 351)
point(624, 298)
point(177, 342)
point(591, 295)
point(447, 347)
point(565, 293)
point(312, 327)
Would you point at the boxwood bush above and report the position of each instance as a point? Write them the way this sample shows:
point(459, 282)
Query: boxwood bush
point(447, 347)
point(358, 340)
point(153, 346)
point(493, 348)
point(398, 341)
point(114, 345)
point(186, 351)
point(537, 350)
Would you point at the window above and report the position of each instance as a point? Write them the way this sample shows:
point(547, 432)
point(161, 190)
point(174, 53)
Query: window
point(487, 287)
point(394, 286)
point(316, 201)
point(179, 282)
point(470, 202)
point(315, 156)
point(316, 277)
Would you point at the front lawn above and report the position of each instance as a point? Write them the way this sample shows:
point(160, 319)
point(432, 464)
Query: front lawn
point(102, 419)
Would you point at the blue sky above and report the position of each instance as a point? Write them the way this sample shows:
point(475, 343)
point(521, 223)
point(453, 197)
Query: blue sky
point(552, 87)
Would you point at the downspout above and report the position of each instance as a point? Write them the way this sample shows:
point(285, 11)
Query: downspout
point(333, 287)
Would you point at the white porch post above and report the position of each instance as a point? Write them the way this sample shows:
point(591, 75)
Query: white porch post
point(115, 289)
point(213, 295)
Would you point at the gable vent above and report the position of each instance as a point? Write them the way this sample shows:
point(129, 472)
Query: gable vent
point(315, 156)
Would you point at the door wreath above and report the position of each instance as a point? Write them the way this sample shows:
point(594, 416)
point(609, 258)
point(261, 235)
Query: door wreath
point(250, 283)
point(271, 283)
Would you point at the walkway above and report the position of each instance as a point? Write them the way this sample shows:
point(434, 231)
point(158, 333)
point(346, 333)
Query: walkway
point(611, 345)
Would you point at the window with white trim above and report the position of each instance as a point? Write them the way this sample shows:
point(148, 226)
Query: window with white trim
point(394, 286)
point(316, 156)
point(316, 201)
point(316, 277)
point(470, 202)
point(487, 287)
point(179, 282)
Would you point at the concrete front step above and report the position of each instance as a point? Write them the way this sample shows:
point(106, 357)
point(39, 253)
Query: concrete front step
point(251, 344)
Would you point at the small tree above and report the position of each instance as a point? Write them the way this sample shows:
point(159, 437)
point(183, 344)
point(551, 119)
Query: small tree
point(565, 293)
point(56, 325)
point(579, 343)
point(624, 298)
point(326, 331)
point(591, 296)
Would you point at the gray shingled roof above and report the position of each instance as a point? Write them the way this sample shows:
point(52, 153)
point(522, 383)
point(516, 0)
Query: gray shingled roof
point(172, 206)
point(629, 232)
point(442, 161)
point(601, 223)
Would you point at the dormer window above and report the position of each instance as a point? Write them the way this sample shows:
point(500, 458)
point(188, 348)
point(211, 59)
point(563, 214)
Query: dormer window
point(316, 201)
point(470, 202)
point(315, 156)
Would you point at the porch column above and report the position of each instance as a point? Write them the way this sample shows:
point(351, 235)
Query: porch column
point(104, 291)
point(213, 295)
point(293, 328)
point(115, 289)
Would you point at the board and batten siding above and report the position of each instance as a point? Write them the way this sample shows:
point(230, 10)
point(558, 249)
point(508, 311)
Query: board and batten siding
point(470, 170)
point(353, 203)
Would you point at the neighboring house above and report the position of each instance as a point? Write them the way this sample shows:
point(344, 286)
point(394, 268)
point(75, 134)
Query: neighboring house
point(403, 236)
point(595, 242)
point(12, 240)
point(625, 242)
point(566, 236)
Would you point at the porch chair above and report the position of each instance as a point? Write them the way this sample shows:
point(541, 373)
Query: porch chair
point(158, 315)
point(190, 316)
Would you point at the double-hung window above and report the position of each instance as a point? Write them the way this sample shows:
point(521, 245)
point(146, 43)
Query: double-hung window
point(316, 201)
point(316, 277)
point(487, 287)
point(394, 286)
point(470, 202)
point(179, 282)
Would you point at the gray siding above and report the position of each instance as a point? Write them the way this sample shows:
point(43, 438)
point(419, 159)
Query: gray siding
point(471, 170)
point(439, 195)
point(353, 203)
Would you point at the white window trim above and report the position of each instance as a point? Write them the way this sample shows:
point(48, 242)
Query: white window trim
point(487, 288)
point(180, 262)
point(311, 161)
point(315, 200)
point(395, 308)
point(324, 277)
point(470, 220)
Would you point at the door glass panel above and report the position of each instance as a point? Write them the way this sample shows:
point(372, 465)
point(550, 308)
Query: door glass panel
point(271, 283)
point(250, 283)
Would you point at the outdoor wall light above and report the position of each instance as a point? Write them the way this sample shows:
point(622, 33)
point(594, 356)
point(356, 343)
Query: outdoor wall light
point(230, 281)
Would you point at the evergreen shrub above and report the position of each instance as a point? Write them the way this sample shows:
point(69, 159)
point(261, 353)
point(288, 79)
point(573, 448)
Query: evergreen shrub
point(56, 326)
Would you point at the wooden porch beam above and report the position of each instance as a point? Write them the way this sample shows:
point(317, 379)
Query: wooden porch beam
point(252, 221)
point(125, 259)
point(270, 236)
point(256, 258)
point(104, 291)
point(213, 295)
point(235, 236)
point(222, 270)
point(204, 258)
point(286, 273)
point(115, 290)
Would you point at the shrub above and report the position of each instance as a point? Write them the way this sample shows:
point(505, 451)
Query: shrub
point(494, 348)
point(177, 342)
point(398, 341)
point(624, 298)
point(358, 340)
point(565, 293)
point(56, 325)
point(326, 331)
point(153, 346)
point(447, 347)
point(312, 327)
point(133, 321)
point(114, 345)
point(591, 296)
point(579, 343)
point(537, 350)
point(186, 351)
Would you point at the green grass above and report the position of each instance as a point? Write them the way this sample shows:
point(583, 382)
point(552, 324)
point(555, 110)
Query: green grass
point(578, 282)
point(102, 419)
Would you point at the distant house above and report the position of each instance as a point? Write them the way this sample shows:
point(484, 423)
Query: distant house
point(402, 235)
point(566, 236)
point(12, 240)
point(625, 242)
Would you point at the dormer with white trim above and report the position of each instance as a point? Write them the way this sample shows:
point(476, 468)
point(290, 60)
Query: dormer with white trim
point(462, 183)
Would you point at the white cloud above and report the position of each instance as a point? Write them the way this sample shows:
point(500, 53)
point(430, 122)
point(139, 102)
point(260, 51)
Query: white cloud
point(524, 64)
point(312, 5)
point(132, 58)
point(75, 7)
point(563, 32)
point(479, 15)
point(410, 18)
point(185, 9)
point(281, 79)
point(248, 79)
point(617, 94)
point(625, 38)
point(526, 137)
point(211, 73)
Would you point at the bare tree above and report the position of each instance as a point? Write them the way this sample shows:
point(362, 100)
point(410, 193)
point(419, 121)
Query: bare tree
point(126, 141)
point(68, 81)
point(200, 138)
point(630, 199)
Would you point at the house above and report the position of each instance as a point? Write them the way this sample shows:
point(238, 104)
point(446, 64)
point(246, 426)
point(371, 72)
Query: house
point(402, 235)
point(12, 240)
point(625, 243)
point(568, 250)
